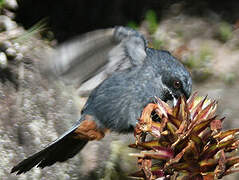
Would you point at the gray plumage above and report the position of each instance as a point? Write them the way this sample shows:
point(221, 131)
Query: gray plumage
point(122, 96)
point(130, 75)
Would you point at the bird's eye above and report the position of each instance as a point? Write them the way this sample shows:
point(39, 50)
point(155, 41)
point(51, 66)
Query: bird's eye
point(176, 84)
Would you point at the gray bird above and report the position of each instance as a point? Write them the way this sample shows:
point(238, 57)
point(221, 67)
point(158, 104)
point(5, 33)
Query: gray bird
point(129, 74)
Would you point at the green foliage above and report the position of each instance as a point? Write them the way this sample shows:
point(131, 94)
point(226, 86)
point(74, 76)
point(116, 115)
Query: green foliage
point(152, 21)
point(191, 62)
point(199, 64)
point(225, 32)
point(2, 2)
point(200, 61)
point(38, 27)
point(158, 43)
point(152, 24)
point(133, 25)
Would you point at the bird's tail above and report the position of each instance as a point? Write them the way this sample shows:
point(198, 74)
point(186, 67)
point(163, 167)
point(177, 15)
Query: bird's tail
point(65, 147)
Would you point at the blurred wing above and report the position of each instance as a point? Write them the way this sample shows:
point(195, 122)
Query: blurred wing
point(130, 50)
point(96, 55)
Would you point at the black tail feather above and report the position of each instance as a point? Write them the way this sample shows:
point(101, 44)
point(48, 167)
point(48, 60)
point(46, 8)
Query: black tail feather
point(60, 150)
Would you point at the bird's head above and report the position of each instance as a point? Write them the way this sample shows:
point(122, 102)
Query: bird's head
point(175, 78)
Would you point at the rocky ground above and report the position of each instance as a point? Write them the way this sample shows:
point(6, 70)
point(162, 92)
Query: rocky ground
point(33, 112)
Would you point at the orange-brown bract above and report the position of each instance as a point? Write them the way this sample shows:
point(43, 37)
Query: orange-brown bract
point(187, 141)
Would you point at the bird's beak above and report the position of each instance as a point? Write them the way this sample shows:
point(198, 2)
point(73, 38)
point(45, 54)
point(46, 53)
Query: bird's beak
point(175, 100)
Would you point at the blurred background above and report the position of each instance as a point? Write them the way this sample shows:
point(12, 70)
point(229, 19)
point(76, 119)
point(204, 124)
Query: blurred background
point(204, 35)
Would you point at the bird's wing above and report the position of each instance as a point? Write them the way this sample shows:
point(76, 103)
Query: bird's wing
point(95, 54)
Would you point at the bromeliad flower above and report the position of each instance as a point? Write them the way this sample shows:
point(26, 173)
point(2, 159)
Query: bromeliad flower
point(185, 141)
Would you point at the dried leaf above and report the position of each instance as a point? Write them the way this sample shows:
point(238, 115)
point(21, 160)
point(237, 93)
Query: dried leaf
point(208, 165)
point(221, 135)
point(221, 167)
point(201, 126)
point(198, 108)
point(191, 101)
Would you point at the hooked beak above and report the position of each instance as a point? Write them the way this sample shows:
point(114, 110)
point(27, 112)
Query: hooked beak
point(175, 97)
